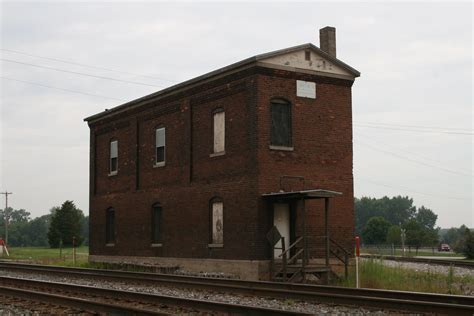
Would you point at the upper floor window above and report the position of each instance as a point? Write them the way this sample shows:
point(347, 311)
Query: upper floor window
point(219, 131)
point(110, 226)
point(160, 143)
point(281, 123)
point(113, 157)
point(217, 222)
point(156, 211)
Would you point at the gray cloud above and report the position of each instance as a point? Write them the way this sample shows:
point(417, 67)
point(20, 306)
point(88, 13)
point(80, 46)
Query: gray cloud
point(415, 59)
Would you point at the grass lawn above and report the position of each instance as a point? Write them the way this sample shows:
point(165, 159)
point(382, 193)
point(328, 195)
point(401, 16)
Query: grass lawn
point(374, 274)
point(42, 255)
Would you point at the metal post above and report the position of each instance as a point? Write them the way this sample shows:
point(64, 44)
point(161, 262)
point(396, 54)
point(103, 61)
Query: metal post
point(6, 215)
point(305, 239)
point(74, 250)
point(326, 228)
point(283, 258)
point(326, 224)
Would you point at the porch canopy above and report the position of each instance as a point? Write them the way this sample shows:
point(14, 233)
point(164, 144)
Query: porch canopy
point(303, 195)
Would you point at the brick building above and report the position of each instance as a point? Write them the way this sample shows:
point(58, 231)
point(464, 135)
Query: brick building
point(196, 175)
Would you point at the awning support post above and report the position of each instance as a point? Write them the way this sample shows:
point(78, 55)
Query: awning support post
point(305, 240)
point(326, 228)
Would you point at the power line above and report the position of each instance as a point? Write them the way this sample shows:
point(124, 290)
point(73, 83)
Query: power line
point(406, 151)
point(413, 130)
point(62, 89)
point(413, 191)
point(85, 65)
point(414, 160)
point(417, 126)
point(79, 73)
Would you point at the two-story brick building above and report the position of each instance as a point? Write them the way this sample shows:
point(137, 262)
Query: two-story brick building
point(196, 175)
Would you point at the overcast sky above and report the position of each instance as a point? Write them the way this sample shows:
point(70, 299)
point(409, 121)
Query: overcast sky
point(412, 105)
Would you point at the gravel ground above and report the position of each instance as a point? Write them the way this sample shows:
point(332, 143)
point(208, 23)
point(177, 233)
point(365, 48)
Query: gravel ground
point(290, 305)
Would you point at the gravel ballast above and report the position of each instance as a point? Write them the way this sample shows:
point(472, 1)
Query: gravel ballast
point(283, 304)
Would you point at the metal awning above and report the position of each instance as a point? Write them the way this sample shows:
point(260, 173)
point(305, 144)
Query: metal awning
point(304, 194)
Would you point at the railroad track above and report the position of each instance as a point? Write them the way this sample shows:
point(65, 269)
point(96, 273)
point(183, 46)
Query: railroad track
point(444, 262)
point(393, 300)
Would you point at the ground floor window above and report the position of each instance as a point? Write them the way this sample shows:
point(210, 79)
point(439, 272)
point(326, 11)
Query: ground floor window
point(156, 223)
point(110, 226)
point(217, 222)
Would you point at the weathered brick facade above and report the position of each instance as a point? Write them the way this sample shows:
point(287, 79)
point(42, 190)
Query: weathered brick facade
point(322, 153)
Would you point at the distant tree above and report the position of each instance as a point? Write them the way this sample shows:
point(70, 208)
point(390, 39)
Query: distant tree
point(394, 235)
point(415, 234)
point(468, 247)
point(66, 223)
point(38, 231)
point(426, 217)
point(375, 232)
point(396, 210)
point(85, 230)
point(17, 226)
point(451, 236)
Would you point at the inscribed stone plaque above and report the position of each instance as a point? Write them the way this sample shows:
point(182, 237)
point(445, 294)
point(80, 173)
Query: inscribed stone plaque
point(306, 89)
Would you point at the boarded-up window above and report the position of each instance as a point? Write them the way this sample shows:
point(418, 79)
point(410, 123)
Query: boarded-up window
point(219, 132)
point(217, 223)
point(113, 156)
point(156, 223)
point(281, 123)
point(110, 226)
point(160, 137)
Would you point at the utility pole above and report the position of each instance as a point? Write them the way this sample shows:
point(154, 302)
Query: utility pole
point(6, 214)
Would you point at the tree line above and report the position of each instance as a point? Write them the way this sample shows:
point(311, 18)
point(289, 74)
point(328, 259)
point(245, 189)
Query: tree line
point(381, 221)
point(54, 229)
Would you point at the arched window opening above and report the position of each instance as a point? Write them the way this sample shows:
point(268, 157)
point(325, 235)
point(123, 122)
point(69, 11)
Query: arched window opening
point(281, 130)
point(156, 219)
point(217, 221)
point(110, 226)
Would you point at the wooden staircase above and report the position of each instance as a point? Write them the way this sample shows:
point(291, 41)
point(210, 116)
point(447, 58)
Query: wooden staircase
point(292, 264)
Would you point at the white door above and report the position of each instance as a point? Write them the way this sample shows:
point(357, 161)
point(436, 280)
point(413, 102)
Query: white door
point(281, 220)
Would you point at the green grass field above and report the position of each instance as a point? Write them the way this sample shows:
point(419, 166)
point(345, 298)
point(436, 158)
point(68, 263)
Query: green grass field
point(374, 274)
point(49, 255)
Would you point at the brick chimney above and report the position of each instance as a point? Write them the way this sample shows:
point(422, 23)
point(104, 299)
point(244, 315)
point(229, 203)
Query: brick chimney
point(327, 40)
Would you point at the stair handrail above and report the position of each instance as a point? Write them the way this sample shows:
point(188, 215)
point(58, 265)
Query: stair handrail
point(291, 246)
point(344, 260)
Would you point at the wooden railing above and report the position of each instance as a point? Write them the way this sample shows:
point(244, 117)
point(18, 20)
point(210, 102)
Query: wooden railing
point(340, 253)
point(285, 261)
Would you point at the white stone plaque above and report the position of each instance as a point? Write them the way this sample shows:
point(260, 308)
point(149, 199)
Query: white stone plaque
point(306, 89)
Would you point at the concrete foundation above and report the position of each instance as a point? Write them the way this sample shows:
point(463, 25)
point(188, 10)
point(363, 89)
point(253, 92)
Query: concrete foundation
point(241, 269)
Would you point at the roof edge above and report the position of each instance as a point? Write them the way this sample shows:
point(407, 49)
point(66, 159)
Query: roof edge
point(220, 71)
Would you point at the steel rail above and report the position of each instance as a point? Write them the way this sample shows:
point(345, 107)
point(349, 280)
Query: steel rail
point(444, 262)
point(130, 296)
point(415, 301)
point(74, 302)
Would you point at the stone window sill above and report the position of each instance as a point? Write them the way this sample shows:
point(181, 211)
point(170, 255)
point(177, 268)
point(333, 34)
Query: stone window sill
point(216, 245)
point(221, 153)
point(159, 164)
point(157, 245)
point(110, 245)
point(113, 173)
point(283, 148)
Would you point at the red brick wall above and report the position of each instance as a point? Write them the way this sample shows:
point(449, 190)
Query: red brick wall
point(322, 138)
point(322, 141)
